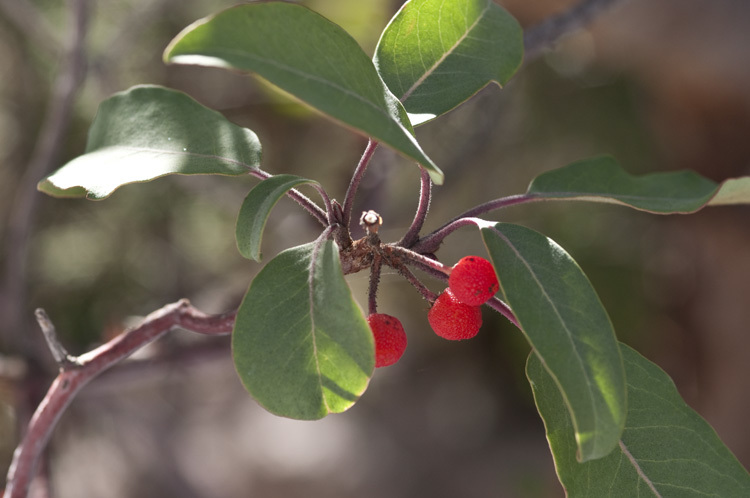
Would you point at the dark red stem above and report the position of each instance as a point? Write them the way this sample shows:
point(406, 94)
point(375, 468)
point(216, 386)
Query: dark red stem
point(425, 195)
point(431, 242)
point(359, 172)
point(504, 310)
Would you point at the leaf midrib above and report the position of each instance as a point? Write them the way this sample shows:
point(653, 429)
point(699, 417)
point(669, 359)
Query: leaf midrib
point(172, 152)
point(311, 299)
point(569, 334)
point(445, 55)
point(641, 474)
point(303, 74)
point(569, 193)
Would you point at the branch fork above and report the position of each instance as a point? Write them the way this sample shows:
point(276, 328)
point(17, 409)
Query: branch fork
point(76, 372)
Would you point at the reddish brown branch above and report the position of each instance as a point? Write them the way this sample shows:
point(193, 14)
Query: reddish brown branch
point(77, 372)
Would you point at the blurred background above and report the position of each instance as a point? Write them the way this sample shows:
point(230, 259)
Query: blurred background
point(660, 85)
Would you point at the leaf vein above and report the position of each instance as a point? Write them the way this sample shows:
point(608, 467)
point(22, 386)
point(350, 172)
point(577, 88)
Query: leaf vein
point(445, 55)
point(327, 82)
point(642, 475)
point(569, 334)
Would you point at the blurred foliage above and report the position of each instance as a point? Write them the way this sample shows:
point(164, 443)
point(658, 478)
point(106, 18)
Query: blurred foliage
point(448, 417)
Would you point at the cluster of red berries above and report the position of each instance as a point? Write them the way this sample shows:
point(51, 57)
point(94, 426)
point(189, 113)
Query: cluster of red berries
point(455, 315)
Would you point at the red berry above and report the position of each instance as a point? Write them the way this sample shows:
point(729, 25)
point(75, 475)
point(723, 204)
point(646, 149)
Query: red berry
point(473, 280)
point(390, 338)
point(452, 319)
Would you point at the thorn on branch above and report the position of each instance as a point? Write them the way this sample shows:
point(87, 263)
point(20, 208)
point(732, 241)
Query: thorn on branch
point(65, 360)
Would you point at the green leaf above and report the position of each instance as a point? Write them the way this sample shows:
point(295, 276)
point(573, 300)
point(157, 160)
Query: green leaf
point(565, 322)
point(301, 345)
point(435, 54)
point(666, 448)
point(309, 57)
point(150, 131)
point(257, 207)
point(601, 179)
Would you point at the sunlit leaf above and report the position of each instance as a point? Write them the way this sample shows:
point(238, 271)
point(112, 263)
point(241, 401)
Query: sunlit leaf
point(147, 132)
point(307, 56)
point(257, 207)
point(666, 449)
point(301, 345)
point(564, 320)
point(602, 179)
point(732, 191)
point(435, 54)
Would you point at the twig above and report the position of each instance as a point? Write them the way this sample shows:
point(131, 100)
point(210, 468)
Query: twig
point(413, 257)
point(546, 33)
point(76, 374)
point(330, 214)
point(425, 195)
point(63, 359)
point(431, 242)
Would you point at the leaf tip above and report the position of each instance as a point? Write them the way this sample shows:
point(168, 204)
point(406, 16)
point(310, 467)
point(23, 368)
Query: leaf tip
point(48, 187)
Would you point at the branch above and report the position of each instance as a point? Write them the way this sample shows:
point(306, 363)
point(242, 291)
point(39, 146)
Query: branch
point(77, 372)
point(541, 36)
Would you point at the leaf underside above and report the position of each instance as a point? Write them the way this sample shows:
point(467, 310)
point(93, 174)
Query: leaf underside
point(147, 132)
point(256, 208)
point(602, 179)
point(666, 449)
point(564, 320)
point(301, 345)
point(310, 58)
point(435, 54)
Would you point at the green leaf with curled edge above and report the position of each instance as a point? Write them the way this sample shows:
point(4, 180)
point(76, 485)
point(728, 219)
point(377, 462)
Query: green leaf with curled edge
point(301, 345)
point(308, 57)
point(256, 208)
point(666, 449)
point(565, 322)
point(435, 54)
point(150, 131)
point(602, 179)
